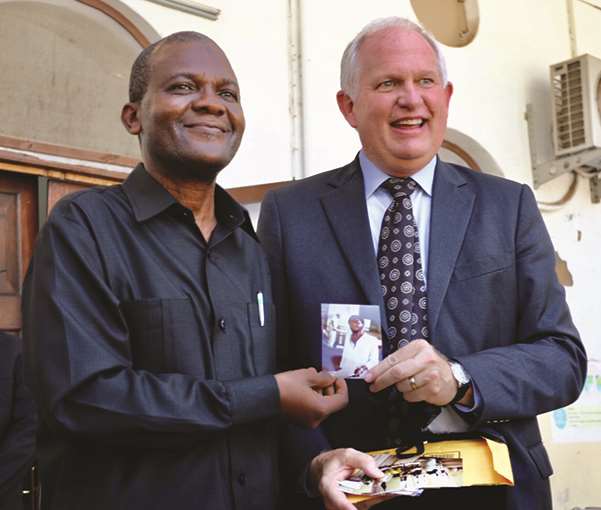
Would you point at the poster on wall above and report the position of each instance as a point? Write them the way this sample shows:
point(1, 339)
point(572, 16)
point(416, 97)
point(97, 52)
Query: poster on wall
point(580, 422)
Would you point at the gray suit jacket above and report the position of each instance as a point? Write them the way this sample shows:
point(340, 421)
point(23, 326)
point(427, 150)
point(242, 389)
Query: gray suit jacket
point(494, 304)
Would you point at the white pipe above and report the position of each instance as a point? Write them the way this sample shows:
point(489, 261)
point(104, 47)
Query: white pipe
point(295, 70)
point(572, 28)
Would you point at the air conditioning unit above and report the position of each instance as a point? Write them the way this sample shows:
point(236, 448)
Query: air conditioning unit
point(576, 102)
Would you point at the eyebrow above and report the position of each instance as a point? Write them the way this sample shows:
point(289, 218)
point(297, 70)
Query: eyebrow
point(228, 81)
point(192, 77)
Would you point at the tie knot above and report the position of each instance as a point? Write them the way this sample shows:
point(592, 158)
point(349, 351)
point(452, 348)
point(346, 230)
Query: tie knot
point(399, 186)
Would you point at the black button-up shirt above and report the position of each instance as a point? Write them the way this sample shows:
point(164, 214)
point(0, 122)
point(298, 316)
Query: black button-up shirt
point(147, 355)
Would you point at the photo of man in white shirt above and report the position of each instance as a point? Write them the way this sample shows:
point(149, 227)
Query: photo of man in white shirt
point(361, 350)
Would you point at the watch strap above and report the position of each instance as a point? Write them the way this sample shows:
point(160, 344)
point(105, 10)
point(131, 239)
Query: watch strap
point(461, 391)
point(462, 387)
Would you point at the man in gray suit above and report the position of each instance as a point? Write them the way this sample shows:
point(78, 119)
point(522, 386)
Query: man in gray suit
point(479, 338)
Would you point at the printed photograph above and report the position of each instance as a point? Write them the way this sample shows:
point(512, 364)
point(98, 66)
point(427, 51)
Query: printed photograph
point(351, 339)
point(408, 476)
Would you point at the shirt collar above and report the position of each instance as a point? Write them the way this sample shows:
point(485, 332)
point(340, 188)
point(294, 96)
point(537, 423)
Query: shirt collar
point(373, 177)
point(148, 198)
point(227, 211)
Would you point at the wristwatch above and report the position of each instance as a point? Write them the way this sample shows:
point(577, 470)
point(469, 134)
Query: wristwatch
point(463, 381)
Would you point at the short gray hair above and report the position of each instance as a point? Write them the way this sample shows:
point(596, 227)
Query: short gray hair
point(348, 64)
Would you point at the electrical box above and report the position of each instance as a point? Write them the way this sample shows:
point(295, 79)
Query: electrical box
point(575, 88)
point(576, 104)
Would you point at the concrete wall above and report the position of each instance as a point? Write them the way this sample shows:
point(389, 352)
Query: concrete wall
point(64, 75)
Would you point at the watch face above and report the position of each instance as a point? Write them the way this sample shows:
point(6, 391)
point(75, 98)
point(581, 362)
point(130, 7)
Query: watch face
point(459, 373)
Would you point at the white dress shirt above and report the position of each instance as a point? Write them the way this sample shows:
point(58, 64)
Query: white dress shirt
point(364, 352)
point(378, 200)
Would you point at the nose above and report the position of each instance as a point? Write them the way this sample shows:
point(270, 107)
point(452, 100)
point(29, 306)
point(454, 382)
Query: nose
point(208, 101)
point(409, 95)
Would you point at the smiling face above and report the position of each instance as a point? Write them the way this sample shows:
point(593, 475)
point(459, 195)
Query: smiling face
point(190, 120)
point(355, 324)
point(400, 104)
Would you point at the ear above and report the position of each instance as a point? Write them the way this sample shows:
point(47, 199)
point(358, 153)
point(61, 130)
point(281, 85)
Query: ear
point(130, 118)
point(346, 105)
point(449, 91)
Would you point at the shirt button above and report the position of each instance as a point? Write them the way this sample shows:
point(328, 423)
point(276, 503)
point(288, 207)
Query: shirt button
point(222, 324)
point(242, 479)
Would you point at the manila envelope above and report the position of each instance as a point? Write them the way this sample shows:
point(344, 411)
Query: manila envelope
point(485, 462)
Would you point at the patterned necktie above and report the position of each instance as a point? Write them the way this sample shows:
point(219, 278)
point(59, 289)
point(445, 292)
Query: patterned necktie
point(400, 265)
point(405, 301)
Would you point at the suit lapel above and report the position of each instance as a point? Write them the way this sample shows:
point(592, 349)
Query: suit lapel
point(452, 203)
point(346, 211)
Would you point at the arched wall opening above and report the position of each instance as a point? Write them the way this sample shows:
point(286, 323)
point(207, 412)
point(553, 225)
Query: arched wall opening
point(65, 76)
point(463, 150)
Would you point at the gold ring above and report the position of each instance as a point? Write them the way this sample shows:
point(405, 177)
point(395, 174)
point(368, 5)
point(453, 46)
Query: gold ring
point(412, 383)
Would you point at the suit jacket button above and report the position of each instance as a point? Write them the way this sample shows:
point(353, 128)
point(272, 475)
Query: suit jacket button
point(222, 324)
point(242, 479)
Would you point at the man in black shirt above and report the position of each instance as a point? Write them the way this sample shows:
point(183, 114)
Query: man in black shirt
point(149, 323)
point(17, 424)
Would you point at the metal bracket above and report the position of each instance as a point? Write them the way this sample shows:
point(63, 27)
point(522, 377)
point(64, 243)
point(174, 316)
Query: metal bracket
point(544, 172)
point(595, 183)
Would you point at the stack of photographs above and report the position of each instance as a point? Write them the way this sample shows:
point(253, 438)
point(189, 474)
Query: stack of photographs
point(407, 476)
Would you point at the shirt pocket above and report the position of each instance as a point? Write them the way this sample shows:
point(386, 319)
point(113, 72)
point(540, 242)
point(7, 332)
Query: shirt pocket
point(262, 338)
point(164, 335)
point(482, 266)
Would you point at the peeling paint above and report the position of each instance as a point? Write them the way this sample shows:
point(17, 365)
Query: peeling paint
point(563, 273)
